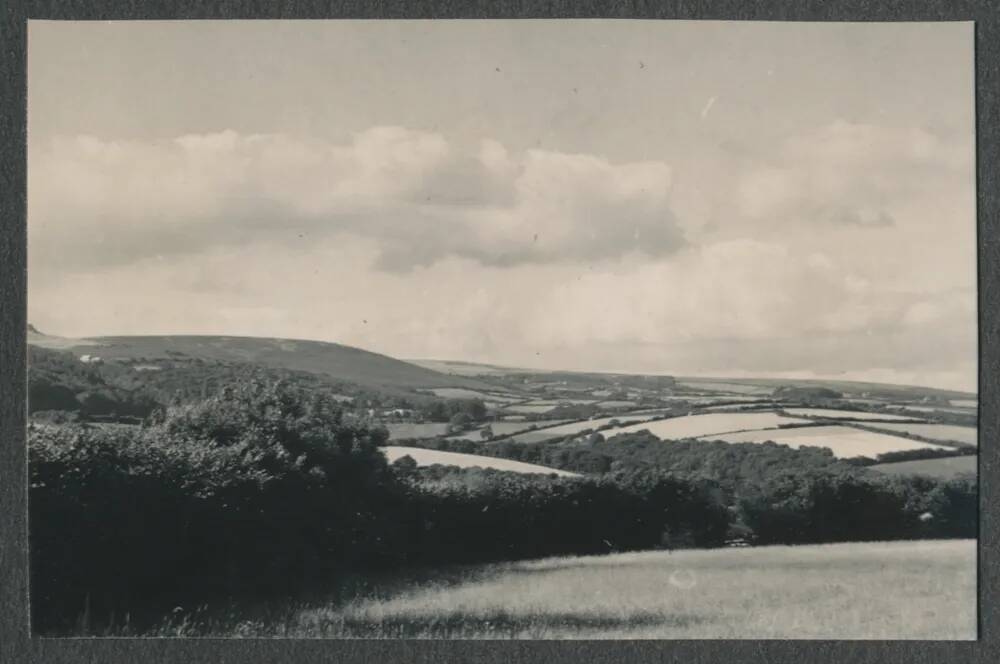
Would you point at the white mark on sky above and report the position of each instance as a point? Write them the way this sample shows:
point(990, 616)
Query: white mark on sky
point(708, 107)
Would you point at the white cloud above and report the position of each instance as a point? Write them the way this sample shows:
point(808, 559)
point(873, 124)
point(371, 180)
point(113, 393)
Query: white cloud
point(422, 197)
point(855, 174)
point(411, 244)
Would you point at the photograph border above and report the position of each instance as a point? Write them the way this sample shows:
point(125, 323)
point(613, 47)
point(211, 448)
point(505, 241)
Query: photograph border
point(16, 643)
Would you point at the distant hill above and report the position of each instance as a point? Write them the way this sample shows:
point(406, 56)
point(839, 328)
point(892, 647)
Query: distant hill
point(845, 387)
point(458, 368)
point(341, 362)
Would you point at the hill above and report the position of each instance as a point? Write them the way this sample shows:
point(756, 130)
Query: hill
point(458, 368)
point(344, 363)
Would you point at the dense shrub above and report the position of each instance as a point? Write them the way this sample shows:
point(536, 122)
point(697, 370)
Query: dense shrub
point(477, 515)
point(254, 491)
point(795, 508)
point(927, 453)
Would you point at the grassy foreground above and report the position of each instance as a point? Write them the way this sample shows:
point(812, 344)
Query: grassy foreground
point(893, 590)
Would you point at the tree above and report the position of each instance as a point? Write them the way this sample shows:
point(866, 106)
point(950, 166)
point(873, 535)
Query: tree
point(486, 433)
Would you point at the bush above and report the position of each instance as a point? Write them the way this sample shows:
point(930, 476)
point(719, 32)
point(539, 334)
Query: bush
point(253, 492)
point(476, 515)
point(814, 507)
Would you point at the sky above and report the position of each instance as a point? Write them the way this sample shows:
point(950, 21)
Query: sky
point(690, 198)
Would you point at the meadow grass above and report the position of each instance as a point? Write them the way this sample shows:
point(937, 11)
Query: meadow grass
point(945, 468)
point(426, 457)
point(843, 441)
point(897, 590)
point(693, 426)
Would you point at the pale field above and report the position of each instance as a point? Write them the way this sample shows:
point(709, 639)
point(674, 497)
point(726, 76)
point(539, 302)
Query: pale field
point(398, 430)
point(739, 388)
point(843, 441)
point(945, 468)
point(694, 426)
point(528, 408)
point(940, 409)
point(431, 457)
point(892, 590)
point(575, 427)
point(615, 404)
point(702, 399)
point(463, 393)
point(506, 428)
point(762, 404)
point(965, 403)
point(844, 414)
point(969, 435)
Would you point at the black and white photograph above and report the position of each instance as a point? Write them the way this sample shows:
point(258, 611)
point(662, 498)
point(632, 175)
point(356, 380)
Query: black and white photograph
point(502, 329)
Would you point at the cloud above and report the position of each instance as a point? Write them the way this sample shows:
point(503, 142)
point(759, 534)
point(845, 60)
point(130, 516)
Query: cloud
point(419, 196)
point(848, 250)
point(735, 306)
point(851, 174)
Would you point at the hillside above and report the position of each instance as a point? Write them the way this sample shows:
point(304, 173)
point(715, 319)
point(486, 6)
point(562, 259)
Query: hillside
point(338, 361)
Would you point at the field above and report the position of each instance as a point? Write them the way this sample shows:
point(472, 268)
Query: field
point(897, 590)
point(529, 409)
point(751, 405)
point(431, 457)
point(965, 403)
point(945, 432)
point(573, 428)
point(463, 393)
point(505, 429)
point(940, 409)
point(844, 441)
point(723, 386)
point(945, 468)
point(403, 430)
point(694, 426)
point(827, 413)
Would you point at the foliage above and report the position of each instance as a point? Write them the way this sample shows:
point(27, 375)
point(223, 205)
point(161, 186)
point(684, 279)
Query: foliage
point(817, 507)
point(259, 490)
point(460, 412)
point(58, 382)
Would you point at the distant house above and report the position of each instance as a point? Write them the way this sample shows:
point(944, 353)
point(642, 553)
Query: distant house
point(91, 359)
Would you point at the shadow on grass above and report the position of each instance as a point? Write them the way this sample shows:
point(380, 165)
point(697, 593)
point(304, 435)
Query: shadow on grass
point(500, 623)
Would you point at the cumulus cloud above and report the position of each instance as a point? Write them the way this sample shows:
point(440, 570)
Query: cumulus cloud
point(420, 196)
point(743, 305)
point(852, 174)
point(844, 251)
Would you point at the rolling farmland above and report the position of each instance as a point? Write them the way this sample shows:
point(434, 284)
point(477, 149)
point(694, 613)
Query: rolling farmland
point(573, 428)
point(945, 468)
point(695, 426)
point(725, 386)
point(425, 457)
point(506, 429)
point(463, 393)
point(843, 441)
point(529, 409)
point(403, 430)
point(943, 432)
point(831, 414)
